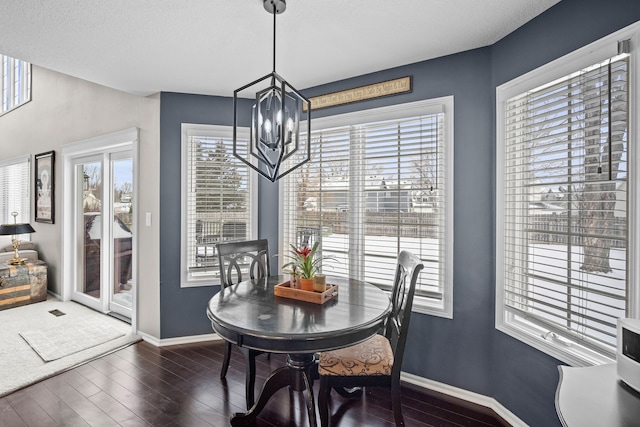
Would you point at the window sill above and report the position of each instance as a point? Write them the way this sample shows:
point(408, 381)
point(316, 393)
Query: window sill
point(200, 282)
point(572, 354)
point(428, 306)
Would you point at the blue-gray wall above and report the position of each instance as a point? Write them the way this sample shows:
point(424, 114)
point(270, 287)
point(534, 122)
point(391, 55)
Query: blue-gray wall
point(523, 379)
point(182, 310)
point(467, 351)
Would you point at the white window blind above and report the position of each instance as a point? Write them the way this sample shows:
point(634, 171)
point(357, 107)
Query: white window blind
point(370, 190)
point(15, 195)
point(15, 83)
point(565, 206)
point(217, 198)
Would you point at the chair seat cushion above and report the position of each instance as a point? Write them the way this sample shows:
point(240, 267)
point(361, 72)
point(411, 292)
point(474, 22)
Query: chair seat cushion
point(371, 357)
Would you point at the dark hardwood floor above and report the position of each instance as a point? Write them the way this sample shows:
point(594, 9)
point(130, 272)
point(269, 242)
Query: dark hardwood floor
point(143, 385)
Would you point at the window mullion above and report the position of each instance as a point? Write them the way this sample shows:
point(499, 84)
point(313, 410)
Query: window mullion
point(357, 136)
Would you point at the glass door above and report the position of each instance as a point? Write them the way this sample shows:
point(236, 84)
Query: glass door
point(88, 232)
point(104, 232)
point(121, 285)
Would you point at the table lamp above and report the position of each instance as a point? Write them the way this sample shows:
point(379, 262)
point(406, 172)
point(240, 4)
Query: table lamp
point(15, 230)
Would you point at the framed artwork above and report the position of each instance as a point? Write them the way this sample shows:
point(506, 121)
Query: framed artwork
point(45, 186)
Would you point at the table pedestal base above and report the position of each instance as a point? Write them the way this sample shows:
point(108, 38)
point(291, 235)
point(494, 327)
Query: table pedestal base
point(298, 374)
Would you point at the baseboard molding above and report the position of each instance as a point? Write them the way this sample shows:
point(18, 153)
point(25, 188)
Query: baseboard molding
point(53, 294)
point(469, 396)
point(163, 342)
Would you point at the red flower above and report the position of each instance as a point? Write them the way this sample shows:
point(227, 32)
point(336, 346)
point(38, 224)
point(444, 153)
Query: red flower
point(304, 252)
point(303, 260)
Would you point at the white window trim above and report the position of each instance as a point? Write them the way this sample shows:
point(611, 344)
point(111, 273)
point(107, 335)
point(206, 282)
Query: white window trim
point(430, 106)
point(577, 60)
point(216, 131)
point(15, 160)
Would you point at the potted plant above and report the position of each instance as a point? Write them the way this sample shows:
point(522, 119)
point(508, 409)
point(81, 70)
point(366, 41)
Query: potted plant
point(304, 264)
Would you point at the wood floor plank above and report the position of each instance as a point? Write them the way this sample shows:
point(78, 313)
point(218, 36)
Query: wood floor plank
point(131, 401)
point(79, 403)
point(426, 401)
point(8, 415)
point(116, 410)
point(206, 388)
point(143, 385)
point(29, 410)
point(189, 403)
point(414, 411)
point(80, 383)
point(53, 405)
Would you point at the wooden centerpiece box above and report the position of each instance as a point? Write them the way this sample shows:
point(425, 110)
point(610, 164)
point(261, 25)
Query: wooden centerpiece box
point(22, 284)
point(285, 290)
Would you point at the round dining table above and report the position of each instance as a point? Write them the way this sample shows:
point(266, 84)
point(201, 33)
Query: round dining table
point(249, 315)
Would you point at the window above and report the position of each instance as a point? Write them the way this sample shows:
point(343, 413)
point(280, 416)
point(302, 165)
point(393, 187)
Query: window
point(15, 195)
point(15, 83)
point(379, 181)
point(217, 200)
point(563, 259)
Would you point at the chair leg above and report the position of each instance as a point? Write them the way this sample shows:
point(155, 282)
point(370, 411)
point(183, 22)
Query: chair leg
point(396, 402)
point(250, 379)
point(225, 361)
point(323, 401)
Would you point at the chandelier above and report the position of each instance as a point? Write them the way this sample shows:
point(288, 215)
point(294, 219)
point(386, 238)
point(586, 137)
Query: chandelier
point(277, 114)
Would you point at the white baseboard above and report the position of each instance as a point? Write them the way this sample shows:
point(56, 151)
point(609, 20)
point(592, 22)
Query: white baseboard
point(53, 294)
point(469, 396)
point(178, 340)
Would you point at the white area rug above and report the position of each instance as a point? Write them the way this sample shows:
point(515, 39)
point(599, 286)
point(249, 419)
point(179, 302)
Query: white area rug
point(20, 365)
point(63, 340)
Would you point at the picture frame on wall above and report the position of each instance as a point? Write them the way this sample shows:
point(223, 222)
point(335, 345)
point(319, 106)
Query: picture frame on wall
point(45, 187)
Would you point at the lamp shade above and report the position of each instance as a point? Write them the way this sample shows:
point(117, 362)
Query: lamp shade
point(10, 229)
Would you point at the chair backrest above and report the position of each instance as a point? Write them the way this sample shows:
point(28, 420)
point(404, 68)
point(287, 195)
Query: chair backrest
point(404, 286)
point(250, 258)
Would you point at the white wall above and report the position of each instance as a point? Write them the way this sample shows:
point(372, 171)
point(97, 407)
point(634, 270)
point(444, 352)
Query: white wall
point(65, 109)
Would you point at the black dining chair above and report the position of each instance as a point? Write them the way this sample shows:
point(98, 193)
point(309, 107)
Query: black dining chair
point(375, 362)
point(241, 261)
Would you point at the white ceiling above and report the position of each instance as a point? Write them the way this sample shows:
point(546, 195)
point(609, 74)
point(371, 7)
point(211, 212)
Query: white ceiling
point(215, 46)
